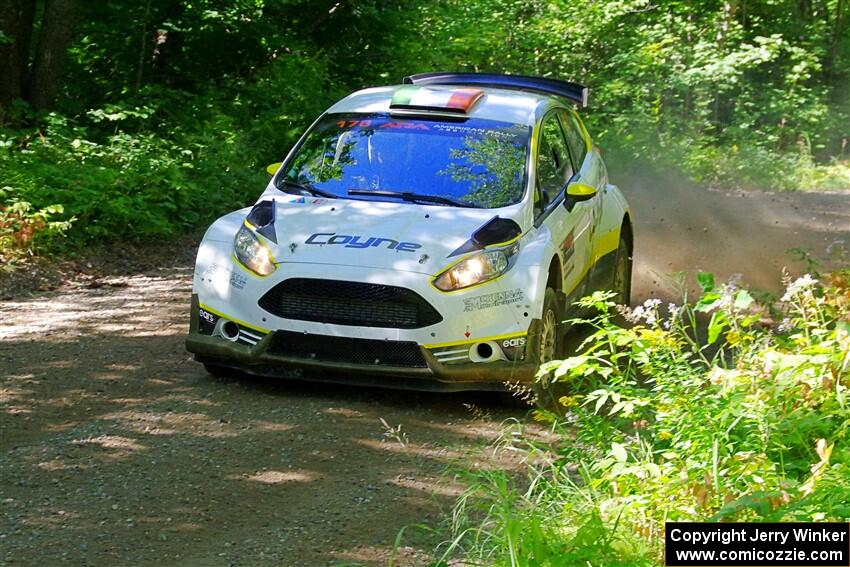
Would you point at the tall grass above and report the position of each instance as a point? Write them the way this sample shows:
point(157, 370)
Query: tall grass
point(744, 419)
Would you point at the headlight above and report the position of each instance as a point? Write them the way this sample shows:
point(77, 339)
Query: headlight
point(477, 269)
point(252, 253)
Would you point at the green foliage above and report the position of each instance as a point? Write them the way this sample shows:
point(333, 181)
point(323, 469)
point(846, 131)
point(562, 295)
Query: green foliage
point(170, 110)
point(501, 160)
point(24, 228)
point(172, 164)
point(173, 110)
point(732, 93)
point(741, 421)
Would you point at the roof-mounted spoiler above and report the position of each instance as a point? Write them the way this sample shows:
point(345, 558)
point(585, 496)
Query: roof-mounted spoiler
point(573, 91)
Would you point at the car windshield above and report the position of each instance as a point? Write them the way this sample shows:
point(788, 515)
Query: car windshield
point(452, 162)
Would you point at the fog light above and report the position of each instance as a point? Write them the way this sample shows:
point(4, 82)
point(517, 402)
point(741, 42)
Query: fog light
point(230, 330)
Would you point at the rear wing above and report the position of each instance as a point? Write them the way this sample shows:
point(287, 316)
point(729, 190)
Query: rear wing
point(572, 91)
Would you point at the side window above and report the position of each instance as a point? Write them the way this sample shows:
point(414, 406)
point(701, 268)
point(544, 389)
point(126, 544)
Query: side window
point(575, 138)
point(553, 161)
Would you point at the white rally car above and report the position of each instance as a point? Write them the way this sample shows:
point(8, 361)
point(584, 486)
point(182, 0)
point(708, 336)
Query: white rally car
point(429, 235)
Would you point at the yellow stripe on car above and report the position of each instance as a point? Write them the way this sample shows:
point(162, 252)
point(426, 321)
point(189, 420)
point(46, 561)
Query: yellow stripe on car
point(478, 340)
point(229, 318)
point(606, 244)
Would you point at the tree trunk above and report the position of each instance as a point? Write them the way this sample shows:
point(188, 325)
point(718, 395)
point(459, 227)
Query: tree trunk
point(804, 9)
point(56, 33)
point(16, 24)
point(143, 46)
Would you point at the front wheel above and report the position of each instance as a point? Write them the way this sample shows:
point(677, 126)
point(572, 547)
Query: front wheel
point(547, 347)
point(549, 337)
point(218, 371)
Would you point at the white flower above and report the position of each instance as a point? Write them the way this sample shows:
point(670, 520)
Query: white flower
point(673, 312)
point(627, 313)
point(802, 284)
point(648, 312)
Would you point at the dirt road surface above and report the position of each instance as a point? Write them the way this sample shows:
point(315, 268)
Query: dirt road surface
point(117, 448)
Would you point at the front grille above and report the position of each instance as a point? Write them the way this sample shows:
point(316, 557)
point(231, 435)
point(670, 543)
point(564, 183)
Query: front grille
point(349, 303)
point(324, 348)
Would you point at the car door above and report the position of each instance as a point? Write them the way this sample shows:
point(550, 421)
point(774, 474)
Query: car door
point(587, 163)
point(569, 228)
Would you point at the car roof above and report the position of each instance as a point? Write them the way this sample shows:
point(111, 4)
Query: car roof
point(518, 107)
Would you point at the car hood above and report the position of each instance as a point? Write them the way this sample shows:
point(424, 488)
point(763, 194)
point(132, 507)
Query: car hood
point(373, 234)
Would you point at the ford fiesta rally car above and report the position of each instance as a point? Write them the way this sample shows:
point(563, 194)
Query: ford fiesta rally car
point(428, 235)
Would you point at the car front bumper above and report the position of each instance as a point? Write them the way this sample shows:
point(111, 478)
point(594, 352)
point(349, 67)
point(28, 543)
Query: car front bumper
point(260, 355)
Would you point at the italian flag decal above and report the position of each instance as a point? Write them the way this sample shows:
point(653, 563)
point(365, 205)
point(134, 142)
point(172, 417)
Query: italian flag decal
point(423, 98)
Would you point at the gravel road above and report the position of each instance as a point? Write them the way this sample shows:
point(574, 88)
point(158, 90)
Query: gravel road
point(117, 449)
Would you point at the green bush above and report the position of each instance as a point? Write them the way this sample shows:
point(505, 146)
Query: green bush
point(163, 164)
point(724, 93)
point(169, 111)
point(743, 420)
point(23, 228)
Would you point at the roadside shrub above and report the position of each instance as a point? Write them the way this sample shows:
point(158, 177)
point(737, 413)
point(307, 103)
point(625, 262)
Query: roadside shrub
point(754, 167)
point(158, 165)
point(24, 228)
point(741, 419)
point(119, 186)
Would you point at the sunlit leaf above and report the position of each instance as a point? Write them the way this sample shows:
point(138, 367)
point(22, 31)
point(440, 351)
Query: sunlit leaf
point(706, 281)
point(619, 452)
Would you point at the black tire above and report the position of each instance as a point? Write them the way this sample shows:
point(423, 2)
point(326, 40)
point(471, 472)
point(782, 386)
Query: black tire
point(549, 338)
point(218, 371)
point(621, 279)
point(547, 345)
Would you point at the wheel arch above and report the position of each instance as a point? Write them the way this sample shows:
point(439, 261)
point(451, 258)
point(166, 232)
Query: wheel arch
point(627, 232)
point(555, 277)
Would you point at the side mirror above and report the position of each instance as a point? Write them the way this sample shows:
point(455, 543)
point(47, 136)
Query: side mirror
point(272, 169)
point(580, 191)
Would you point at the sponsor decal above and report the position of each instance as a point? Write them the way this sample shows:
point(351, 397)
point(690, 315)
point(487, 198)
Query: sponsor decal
point(305, 201)
point(496, 299)
point(236, 279)
point(206, 321)
point(513, 348)
point(467, 334)
point(568, 245)
point(348, 124)
point(361, 242)
point(479, 132)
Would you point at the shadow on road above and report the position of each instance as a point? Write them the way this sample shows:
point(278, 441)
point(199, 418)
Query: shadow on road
point(117, 448)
